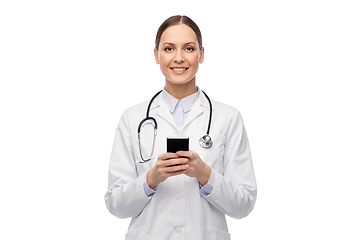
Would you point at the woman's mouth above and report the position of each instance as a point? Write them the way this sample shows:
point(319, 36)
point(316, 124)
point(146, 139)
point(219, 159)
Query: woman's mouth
point(179, 70)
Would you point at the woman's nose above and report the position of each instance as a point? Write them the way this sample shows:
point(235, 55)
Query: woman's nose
point(179, 57)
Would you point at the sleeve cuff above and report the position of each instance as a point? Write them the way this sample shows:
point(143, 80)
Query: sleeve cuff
point(208, 187)
point(148, 191)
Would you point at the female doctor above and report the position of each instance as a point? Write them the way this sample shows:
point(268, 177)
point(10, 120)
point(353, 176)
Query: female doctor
point(182, 195)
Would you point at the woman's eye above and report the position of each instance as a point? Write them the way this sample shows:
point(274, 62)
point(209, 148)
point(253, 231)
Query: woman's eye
point(168, 49)
point(189, 49)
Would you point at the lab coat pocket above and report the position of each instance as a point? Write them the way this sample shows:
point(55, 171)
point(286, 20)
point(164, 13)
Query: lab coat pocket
point(136, 234)
point(213, 233)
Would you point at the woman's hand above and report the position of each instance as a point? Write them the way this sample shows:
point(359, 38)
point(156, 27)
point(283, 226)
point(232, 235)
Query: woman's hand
point(167, 165)
point(197, 167)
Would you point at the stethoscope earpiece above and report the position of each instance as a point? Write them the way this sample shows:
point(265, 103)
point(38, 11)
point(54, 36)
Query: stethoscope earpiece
point(205, 141)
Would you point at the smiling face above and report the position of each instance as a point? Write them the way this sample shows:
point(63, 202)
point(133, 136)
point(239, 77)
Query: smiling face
point(179, 54)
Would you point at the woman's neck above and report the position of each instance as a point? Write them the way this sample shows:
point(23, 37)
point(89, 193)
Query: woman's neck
point(181, 91)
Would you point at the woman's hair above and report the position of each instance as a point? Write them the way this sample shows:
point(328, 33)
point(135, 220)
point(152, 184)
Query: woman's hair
point(176, 20)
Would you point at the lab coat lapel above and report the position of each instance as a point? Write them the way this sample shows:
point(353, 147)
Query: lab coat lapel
point(163, 112)
point(197, 109)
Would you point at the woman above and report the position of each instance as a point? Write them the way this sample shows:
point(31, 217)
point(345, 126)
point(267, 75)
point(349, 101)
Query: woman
point(182, 195)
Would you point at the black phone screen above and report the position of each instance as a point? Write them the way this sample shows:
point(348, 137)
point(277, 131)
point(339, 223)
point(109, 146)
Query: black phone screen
point(175, 144)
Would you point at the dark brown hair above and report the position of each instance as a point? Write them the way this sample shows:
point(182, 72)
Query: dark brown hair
point(176, 20)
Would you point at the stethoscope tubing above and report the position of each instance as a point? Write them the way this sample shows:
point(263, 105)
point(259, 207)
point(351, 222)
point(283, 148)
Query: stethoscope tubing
point(210, 116)
point(204, 141)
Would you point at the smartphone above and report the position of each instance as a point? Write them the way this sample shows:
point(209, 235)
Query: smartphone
point(175, 144)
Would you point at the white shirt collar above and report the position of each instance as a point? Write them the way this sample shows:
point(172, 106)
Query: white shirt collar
point(187, 102)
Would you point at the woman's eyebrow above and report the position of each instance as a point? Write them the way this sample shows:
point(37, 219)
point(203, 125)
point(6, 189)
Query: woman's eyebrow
point(175, 44)
point(168, 43)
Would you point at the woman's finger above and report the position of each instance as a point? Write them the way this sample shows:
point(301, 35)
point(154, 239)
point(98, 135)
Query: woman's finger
point(188, 154)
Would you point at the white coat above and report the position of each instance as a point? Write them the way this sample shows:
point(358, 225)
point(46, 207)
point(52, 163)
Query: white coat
point(177, 210)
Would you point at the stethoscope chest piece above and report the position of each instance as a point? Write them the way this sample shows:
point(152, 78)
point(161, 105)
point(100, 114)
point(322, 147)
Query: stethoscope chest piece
point(205, 141)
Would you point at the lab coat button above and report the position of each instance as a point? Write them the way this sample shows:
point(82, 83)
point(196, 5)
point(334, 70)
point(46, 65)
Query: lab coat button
point(178, 196)
point(178, 229)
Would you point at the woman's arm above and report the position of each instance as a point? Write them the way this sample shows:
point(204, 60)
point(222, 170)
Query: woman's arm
point(125, 196)
point(235, 190)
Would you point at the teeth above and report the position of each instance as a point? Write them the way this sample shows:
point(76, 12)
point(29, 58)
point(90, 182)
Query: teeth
point(179, 69)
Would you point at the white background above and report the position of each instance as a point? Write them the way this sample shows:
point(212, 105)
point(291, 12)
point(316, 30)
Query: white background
point(69, 68)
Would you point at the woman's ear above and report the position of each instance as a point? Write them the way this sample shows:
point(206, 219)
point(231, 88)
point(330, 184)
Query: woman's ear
point(156, 55)
point(201, 59)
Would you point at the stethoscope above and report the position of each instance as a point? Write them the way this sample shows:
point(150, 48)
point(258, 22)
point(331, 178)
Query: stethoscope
point(205, 141)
